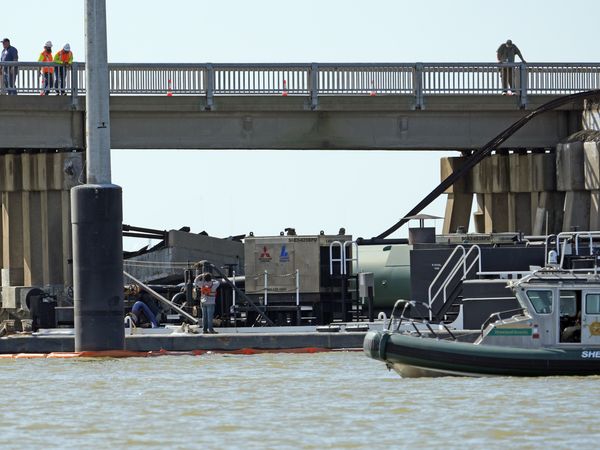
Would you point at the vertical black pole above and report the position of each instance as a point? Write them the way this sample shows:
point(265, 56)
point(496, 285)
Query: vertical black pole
point(98, 267)
point(97, 209)
point(343, 278)
point(370, 301)
point(189, 285)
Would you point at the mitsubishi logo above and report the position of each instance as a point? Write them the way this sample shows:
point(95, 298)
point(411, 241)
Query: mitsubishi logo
point(265, 256)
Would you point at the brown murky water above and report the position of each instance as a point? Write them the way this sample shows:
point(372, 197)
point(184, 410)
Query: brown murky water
point(328, 400)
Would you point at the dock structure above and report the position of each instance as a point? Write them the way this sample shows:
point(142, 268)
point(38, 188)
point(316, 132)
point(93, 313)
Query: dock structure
point(225, 342)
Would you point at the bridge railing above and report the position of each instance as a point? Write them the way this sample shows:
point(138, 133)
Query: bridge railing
point(317, 79)
point(556, 78)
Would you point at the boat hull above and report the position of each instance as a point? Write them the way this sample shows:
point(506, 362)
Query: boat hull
point(412, 356)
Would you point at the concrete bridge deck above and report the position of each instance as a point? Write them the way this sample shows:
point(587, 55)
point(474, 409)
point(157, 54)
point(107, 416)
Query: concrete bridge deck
point(448, 122)
point(384, 106)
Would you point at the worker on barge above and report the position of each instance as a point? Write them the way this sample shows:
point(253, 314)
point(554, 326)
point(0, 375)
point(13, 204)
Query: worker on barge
point(207, 287)
point(145, 311)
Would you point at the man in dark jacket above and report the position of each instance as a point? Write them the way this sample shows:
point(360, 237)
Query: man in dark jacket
point(506, 54)
point(9, 74)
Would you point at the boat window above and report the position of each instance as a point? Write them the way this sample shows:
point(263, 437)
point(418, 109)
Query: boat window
point(592, 303)
point(541, 301)
point(569, 316)
point(568, 303)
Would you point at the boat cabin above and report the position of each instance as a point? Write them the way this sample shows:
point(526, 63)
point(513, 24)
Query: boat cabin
point(559, 308)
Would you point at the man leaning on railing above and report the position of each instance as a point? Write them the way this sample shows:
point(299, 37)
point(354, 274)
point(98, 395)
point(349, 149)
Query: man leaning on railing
point(9, 74)
point(47, 72)
point(506, 54)
point(63, 57)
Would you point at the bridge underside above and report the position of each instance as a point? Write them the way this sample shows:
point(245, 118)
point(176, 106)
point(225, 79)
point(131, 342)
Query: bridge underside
point(448, 122)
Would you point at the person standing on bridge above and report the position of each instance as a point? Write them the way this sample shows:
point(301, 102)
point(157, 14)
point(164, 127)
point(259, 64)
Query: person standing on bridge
point(9, 74)
point(47, 71)
point(63, 57)
point(506, 54)
point(207, 287)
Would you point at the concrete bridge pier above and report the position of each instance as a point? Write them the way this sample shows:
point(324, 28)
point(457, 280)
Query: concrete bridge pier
point(592, 180)
point(513, 192)
point(536, 192)
point(570, 180)
point(35, 223)
point(459, 197)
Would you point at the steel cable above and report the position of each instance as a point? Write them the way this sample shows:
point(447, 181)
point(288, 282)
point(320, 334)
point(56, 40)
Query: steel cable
point(483, 152)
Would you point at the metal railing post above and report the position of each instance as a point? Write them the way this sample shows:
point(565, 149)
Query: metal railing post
point(298, 310)
point(523, 85)
point(314, 86)
point(233, 281)
point(266, 291)
point(210, 86)
point(418, 85)
point(74, 84)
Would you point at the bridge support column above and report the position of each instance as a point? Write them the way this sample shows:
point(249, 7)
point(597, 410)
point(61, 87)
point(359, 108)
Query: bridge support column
point(592, 181)
point(519, 212)
point(496, 213)
point(514, 192)
point(52, 221)
point(13, 251)
point(34, 220)
point(548, 207)
point(479, 215)
point(490, 178)
point(595, 211)
point(33, 237)
point(460, 199)
point(1, 239)
point(570, 179)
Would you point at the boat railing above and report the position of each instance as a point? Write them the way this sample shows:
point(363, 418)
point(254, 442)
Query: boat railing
point(501, 315)
point(561, 240)
point(406, 305)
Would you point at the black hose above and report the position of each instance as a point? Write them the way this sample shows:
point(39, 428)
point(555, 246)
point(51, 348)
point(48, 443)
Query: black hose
point(179, 298)
point(483, 152)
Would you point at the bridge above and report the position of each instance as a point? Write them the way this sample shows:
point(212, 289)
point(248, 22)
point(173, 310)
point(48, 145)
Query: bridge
point(536, 184)
point(412, 106)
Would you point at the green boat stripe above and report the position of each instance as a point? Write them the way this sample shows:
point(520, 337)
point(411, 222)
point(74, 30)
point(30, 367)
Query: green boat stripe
point(511, 332)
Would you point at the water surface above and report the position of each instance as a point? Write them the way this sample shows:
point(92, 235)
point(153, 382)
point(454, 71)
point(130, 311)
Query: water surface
point(328, 400)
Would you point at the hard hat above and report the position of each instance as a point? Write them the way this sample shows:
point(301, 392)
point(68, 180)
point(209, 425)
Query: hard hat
point(48, 44)
point(67, 48)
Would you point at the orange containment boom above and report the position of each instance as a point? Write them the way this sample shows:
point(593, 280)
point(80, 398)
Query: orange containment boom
point(132, 354)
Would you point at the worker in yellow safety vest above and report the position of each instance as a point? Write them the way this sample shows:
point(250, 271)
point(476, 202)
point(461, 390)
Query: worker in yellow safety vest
point(47, 71)
point(65, 59)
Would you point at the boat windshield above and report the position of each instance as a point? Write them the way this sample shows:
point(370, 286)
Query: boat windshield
point(541, 300)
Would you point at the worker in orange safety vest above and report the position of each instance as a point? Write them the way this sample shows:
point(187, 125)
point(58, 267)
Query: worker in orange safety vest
point(47, 72)
point(63, 57)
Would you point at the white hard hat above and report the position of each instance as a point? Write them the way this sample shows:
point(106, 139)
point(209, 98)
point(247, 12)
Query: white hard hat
point(48, 44)
point(67, 48)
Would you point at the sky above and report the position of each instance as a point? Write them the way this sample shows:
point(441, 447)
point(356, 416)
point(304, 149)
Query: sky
point(365, 192)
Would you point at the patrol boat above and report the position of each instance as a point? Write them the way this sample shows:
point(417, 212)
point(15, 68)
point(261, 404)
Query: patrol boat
point(555, 332)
